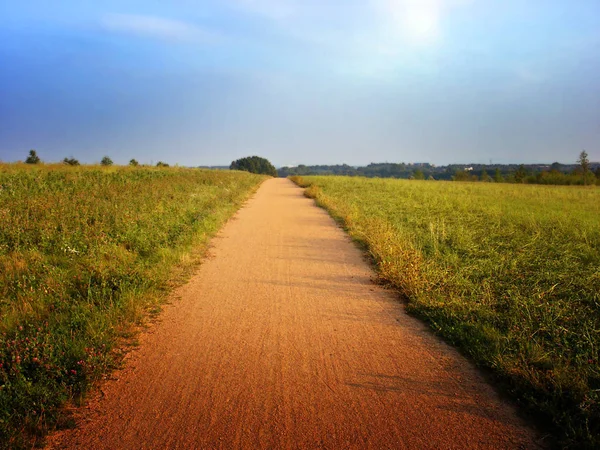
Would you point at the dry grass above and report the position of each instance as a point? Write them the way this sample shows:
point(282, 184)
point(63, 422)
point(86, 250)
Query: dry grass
point(509, 273)
point(84, 253)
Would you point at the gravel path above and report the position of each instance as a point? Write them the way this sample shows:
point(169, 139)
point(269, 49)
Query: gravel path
point(282, 341)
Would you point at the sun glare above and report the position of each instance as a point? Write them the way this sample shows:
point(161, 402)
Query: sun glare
point(422, 22)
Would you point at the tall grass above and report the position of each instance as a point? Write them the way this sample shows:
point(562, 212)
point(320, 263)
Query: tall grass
point(84, 253)
point(509, 273)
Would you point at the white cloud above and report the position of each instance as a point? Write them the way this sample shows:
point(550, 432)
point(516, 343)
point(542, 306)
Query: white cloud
point(155, 27)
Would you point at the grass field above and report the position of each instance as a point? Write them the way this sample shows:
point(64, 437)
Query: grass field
point(508, 273)
point(85, 252)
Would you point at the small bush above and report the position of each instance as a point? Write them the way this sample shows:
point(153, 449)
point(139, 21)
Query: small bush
point(254, 164)
point(106, 161)
point(33, 158)
point(70, 162)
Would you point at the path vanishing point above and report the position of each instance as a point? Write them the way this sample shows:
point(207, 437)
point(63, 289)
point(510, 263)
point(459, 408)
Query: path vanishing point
point(282, 341)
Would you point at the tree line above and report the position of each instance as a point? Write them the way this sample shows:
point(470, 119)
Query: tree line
point(584, 172)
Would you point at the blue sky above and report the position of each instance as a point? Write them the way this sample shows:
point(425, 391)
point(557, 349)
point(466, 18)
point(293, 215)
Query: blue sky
point(300, 82)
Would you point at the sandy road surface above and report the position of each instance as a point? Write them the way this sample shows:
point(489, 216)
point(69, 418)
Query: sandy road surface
point(282, 341)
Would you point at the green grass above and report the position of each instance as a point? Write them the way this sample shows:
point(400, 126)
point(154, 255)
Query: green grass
point(85, 253)
point(508, 273)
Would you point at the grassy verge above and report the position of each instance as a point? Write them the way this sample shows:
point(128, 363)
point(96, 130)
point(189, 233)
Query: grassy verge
point(85, 253)
point(508, 273)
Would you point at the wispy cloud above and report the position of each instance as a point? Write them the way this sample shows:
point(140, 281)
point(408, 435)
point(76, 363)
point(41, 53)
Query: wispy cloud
point(155, 27)
point(381, 25)
point(372, 38)
point(412, 21)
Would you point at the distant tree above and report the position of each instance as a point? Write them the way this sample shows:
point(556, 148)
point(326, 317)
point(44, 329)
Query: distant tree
point(106, 161)
point(70, 162)
point(484, 176)
point(418, 175)
point(461, 175)
point(521, 174)
point(33, 158)
point(556, 166)
point(133, 162)
point(498, 176)
point(161, 164)
point(584, 164)
point(597, 172)
point(254, 164)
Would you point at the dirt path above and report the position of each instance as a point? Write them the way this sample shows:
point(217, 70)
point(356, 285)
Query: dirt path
point(282, 341)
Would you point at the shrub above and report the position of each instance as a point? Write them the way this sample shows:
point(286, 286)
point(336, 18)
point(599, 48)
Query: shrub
point(70, 162)
point(106, 161)
point(33, 158)
point(254, 164)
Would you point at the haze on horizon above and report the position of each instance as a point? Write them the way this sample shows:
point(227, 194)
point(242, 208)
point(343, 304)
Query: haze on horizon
point(301, 82)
